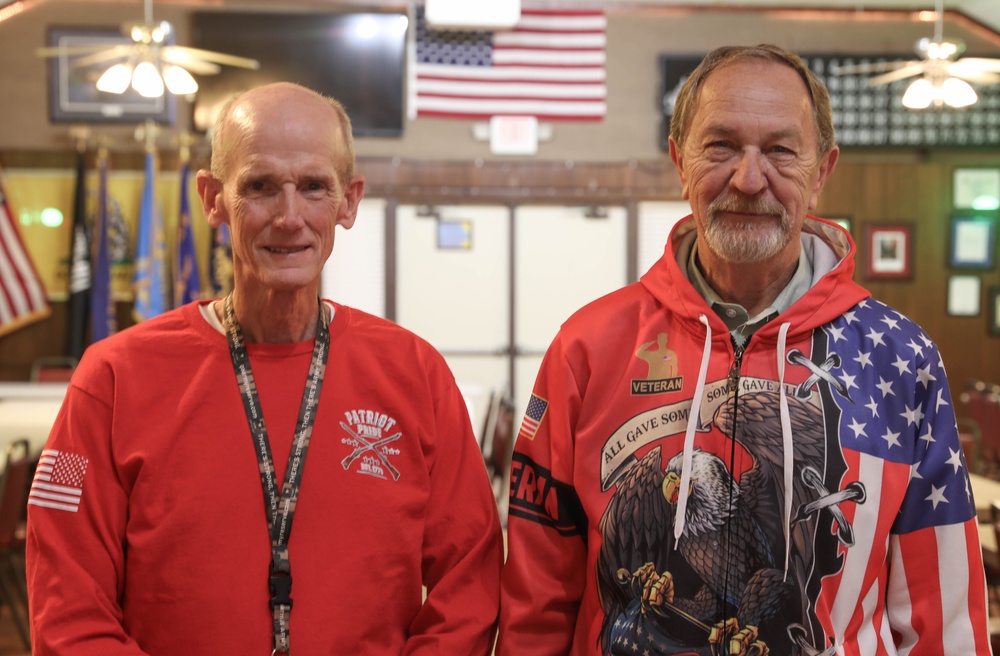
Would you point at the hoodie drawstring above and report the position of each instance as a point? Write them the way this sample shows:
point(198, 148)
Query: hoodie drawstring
point(692, 427)
point(786, 440)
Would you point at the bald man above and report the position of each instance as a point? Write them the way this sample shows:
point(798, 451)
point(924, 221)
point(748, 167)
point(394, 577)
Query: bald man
point(187, 445)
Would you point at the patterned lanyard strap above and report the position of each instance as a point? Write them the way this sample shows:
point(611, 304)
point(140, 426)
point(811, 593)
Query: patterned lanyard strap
point(279, 509)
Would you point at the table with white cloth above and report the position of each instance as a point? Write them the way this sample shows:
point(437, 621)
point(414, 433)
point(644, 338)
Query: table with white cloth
point(28, 410)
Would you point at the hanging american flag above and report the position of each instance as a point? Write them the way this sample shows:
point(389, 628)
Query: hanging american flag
point(550, 65)
point(22, 296)
point(58, 482)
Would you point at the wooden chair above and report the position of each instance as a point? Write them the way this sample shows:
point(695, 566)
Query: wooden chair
point(14, 482)
point(57, 369)
point(982, 402)
point(498, 441)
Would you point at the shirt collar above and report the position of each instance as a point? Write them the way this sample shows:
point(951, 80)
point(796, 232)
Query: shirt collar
point(741, 325)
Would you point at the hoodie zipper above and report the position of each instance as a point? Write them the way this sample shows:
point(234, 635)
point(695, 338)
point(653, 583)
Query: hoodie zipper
point(734, 371)
point(732, 381)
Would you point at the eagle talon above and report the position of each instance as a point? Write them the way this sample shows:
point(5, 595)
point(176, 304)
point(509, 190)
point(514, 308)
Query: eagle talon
point(740, 642)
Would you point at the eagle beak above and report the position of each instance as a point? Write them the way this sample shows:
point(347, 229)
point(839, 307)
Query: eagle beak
point(671, 487)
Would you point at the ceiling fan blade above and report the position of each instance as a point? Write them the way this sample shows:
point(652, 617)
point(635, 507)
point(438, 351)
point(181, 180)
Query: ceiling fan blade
point(114, 52)
point(903, 73)
point(193, 65)
point(59, 51)
point(186, 53)
point(972, 75)
point(873, 67)
point(978, 64)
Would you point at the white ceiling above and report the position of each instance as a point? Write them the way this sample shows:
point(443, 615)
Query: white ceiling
point(985, 12)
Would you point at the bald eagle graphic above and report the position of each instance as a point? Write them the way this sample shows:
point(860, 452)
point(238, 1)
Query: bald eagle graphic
point(723, 588)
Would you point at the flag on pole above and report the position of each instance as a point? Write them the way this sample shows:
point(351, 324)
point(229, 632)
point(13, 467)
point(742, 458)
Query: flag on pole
point(149, 278)
point(187, 279)
point(22, 296)
point(79, 265)
point(221, 261)
point(103, 319)
point(550, 65)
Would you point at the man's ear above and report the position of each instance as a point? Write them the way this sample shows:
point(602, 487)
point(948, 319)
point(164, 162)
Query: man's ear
point(353, 193)
point(210, 192)
point(826, 166)
point(677, 156)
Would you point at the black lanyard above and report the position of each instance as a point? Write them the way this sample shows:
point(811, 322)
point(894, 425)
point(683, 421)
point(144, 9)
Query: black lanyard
point(279, 510)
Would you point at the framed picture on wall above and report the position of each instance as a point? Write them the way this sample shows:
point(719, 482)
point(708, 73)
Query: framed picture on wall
point(963, 296)
point(73, 94)
point(889, 251)
point(973, 240)
point(976, 189)
point(993, 309)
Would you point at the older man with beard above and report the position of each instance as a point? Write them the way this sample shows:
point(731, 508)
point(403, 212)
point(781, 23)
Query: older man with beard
point(835, 516)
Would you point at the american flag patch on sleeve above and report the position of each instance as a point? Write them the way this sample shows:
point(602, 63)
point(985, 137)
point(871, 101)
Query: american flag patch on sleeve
point(533, 417)
point(58, 482)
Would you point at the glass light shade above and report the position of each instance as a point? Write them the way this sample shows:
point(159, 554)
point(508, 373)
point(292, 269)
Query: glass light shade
point(958, 93)
point(115, 79)
point(919, 94)
point(147, 81)
point(179, 81)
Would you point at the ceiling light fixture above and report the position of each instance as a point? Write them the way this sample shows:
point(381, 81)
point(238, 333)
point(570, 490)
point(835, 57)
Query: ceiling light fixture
point(943, 76)
point(151, 65)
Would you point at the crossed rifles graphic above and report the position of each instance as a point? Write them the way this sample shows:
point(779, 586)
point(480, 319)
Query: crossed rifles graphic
point(364, 446)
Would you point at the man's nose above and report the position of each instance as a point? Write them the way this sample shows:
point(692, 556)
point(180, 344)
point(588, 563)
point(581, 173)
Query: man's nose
point(750, 176)
point(290, 211)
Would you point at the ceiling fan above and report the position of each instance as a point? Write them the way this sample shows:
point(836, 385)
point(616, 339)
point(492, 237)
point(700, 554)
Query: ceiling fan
point(944, 77)
point(150, 61)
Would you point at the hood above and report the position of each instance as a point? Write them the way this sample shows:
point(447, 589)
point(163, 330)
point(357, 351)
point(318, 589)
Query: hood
point(833, 292)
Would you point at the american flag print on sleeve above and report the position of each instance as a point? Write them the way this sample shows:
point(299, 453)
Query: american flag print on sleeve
point(897, 423)
point(533, 416)
point(58, 482)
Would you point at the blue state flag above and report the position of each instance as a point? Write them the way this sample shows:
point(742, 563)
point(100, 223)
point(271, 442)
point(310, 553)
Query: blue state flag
point(187, 278)
point(103, 321)
point(149, 280)
point(221, 261)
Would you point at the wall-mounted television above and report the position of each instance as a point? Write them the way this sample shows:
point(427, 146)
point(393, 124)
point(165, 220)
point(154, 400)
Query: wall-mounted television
point(357, 57)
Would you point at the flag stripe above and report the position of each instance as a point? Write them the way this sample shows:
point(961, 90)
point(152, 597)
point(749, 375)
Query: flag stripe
point(512, 90)
point(548, 40)
point(513, 74)
point(495, 106)
point(51, 504)
point(528, 70)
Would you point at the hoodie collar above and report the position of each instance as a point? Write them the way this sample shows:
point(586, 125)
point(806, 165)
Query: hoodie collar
point(739, 322)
